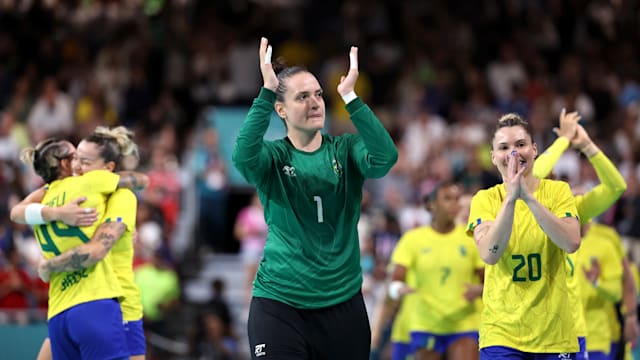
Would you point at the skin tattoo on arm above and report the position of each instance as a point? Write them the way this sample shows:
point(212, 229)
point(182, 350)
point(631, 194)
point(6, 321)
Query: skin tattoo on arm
point(107, 239)
point(87, 255)
point(494, 249)
point(133, 180)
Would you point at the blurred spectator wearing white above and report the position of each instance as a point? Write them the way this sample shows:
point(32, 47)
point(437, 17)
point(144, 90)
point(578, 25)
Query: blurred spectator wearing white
point(52, 113)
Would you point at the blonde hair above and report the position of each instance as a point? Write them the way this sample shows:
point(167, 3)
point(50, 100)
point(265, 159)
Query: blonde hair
point(116, 145)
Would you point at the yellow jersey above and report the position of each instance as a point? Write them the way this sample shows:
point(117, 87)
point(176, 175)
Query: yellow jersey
point(68, 289)
point(609, 234)
point(597, 299)
point(443, 265)
point(575, 299)
point(525, 294)
point(122, 207)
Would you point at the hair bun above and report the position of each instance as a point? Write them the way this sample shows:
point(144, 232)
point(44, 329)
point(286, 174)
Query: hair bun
point(279, 64)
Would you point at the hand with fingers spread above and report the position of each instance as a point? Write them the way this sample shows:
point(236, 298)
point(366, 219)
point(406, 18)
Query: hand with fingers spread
point(269, 77)
point(347, 83)
point(568, 124)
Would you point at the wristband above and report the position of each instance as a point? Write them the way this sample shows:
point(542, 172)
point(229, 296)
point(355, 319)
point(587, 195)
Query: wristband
point(349, 97)
point(33, 214)
point(394, 289)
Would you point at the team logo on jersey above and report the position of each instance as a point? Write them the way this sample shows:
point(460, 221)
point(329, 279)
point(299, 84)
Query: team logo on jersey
point(337, 168)
point(259, 350)
point(463, 250)
point(290, 171)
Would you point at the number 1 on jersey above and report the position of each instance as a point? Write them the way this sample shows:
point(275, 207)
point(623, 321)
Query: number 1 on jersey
point(318, 201)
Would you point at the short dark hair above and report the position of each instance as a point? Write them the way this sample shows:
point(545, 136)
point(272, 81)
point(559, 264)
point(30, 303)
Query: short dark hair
point(433, 195)
point(47, 156)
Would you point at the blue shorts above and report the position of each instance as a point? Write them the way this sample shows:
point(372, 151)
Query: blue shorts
point(136, 341)
point(400, 351)
point(582, 353)
point(437, 343)
point(599, 355)
point(505, 353)
point(91, 330)
point(613, 351)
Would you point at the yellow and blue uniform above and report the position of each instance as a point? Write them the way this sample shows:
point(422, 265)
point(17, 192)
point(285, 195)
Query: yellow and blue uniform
point(608, 234)
point(444, 265)
point(401, 328)
point(589, 205)
point(85, 320)
point(122, 207)
point(576, 304)
point(525, 294)
point(608, 290)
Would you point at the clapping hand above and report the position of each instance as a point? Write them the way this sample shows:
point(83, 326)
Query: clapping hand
point(514, 180)
point(568, 124)
point(581, 139)
point(269, 77)
point(347, 83)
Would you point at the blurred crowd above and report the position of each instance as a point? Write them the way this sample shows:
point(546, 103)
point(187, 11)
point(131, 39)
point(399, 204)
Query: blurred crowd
point(437, 73)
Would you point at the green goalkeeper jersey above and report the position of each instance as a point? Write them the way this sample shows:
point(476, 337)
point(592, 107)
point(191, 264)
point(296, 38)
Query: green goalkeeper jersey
point(311, 204)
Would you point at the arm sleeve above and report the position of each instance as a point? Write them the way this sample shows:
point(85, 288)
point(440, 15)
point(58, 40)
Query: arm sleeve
point(546, 161)
point(375, 154)
point(250, 155)
point(601, 197)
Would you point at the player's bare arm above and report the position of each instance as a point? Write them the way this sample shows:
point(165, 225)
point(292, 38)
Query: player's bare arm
point(86, 255)
point(133, 180)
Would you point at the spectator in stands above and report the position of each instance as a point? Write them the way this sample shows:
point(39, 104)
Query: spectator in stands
point(210, 171)
point(19, 292)
point(213, 338)
point(251, 230)
point(52, 113)
point(159, 289)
